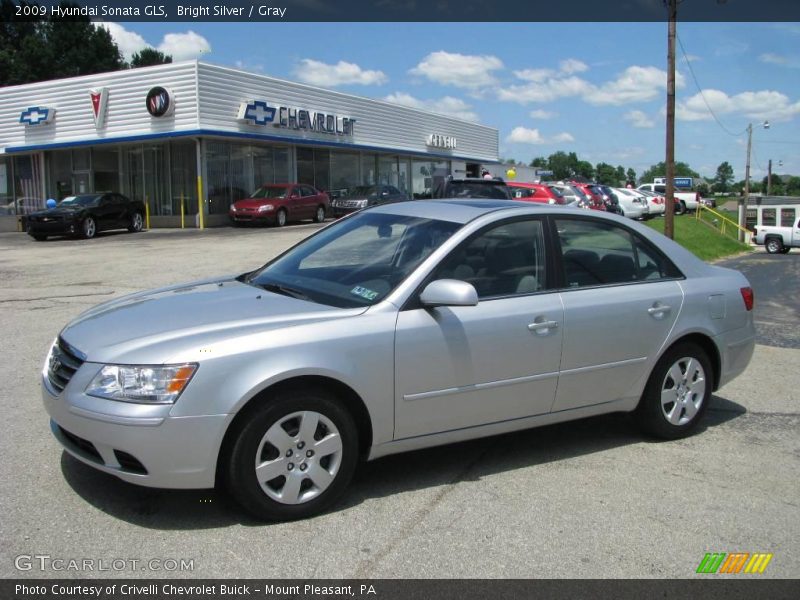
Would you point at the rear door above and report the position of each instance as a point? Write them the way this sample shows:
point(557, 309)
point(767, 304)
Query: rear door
point(621, 297)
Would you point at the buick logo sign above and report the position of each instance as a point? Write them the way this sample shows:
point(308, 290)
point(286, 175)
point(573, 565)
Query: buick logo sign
point(160, 102)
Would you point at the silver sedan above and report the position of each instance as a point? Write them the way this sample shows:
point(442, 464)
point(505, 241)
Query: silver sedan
point(400, 327)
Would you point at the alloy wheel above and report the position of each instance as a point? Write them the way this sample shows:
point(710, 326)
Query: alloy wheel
point(683, 391)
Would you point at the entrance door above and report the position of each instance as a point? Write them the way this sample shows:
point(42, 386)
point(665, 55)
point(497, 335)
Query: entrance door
point(81, 182)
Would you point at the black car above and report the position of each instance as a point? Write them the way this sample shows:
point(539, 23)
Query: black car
point(489, 189)
point(363, 196)
point(86, 214)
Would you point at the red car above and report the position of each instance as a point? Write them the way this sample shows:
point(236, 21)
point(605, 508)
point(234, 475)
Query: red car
point(535, 192)
point(279, 203)
point(595, 195)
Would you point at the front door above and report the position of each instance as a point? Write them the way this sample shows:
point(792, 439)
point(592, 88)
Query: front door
point(458, 367)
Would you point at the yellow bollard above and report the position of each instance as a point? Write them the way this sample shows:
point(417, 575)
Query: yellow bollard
point(146, 213)
point(200, 201)
point(182, 212)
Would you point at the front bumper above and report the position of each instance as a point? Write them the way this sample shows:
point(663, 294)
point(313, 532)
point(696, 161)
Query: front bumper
point(341, 211)
point(252, 217)
point(141, 445)
point(52, 227)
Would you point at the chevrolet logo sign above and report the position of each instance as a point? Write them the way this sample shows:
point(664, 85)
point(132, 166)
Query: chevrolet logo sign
point(37, 115)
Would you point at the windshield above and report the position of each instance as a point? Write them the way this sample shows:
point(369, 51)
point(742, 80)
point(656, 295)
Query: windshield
point(361, 191)
point(79, 200)
point(270, 191)
point(355, 262)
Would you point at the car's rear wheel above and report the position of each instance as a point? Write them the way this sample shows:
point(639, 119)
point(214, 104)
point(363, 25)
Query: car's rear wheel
point(89, 228)
point(319, 217)
point(136, 223)
point(280, 218)
point(39, 237)
point(785, 250)
point(680, 207)
point(677, 393)
point(774, 245)
point(293, 456)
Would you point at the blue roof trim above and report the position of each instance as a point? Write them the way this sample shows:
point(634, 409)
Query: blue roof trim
point(240, 135)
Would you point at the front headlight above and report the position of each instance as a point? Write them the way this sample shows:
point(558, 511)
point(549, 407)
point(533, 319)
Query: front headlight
point(141, 383)
point(233, 208)
point(362, 203)
point(266, 208)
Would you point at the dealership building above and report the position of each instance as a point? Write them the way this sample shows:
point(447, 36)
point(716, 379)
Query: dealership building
point(191, 134)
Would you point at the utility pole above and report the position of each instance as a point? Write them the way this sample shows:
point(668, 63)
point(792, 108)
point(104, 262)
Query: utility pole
point(746, 196)
point(669, 215)
point(769, 178)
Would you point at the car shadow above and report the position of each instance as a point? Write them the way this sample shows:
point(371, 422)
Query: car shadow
point(164, 509)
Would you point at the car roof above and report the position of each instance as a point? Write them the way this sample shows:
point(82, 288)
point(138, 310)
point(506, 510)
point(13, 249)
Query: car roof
point(456, 210)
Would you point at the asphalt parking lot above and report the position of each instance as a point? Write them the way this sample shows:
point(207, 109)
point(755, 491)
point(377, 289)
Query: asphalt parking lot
point(591, 498)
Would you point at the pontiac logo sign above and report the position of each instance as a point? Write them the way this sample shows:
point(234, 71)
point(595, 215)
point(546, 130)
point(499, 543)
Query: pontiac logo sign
point(160, 102)
point(442, 141)
point(37, 115)
point(99, 98)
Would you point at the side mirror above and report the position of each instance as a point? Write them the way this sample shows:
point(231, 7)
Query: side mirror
point(448, 292)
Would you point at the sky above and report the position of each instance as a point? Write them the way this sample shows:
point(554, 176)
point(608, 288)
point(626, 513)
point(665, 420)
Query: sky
point(597, 89)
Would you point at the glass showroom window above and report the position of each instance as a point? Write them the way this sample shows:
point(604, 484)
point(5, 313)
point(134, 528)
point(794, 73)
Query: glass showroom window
point(369, 169)
point(183, 173)
point(388, 170)
point(344, 172)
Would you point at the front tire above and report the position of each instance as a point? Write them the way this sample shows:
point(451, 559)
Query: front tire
point(280, 218)
point(785, 250)
point(293, 455)
point(319, 216)
point(136, 223)
point(677, 393)
point(774, 245)
point(89, 228)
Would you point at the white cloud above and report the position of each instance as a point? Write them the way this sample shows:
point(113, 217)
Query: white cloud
point(777, 59)
point(545, 91)
point(181, 46)
point(460, 70)
point(523, 135)
point(573, 65)
point(446, 105)
point(639, 119)
point(535, 75)
point(184, 46)
point(342, 73)
point(634, 84)
point(129, 42)
point(543, 114)
point(765, 104)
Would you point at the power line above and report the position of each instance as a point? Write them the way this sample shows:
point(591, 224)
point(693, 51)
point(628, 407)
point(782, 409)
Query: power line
point(703, 96)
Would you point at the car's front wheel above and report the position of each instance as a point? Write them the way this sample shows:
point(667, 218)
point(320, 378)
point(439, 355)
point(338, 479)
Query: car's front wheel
point(785, 250)
point(136, 223)
point(319, 216)
point(774, 245)
point(677, 393)
point(280, 218)
point(89, 228)
point(293, 455)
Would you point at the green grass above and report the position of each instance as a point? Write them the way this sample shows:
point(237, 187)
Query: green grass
point(700, 239)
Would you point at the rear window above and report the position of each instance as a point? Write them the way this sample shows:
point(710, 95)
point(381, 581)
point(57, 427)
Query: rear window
point(469, 189)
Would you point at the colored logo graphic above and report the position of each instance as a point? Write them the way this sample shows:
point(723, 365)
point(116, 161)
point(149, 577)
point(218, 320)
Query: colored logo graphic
point(99, 98)
point(257, 112)
point(159, 102)
point(37, 115)
point(734, 562)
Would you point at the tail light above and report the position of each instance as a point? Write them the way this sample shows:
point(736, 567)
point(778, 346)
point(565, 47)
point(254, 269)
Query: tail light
point(748, 297)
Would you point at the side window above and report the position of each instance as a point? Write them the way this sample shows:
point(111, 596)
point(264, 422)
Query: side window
point(787, 217)
point(596, 253)
point(506, 260)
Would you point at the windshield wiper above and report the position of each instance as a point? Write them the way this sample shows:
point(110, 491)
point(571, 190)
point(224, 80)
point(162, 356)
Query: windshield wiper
point(286, 291)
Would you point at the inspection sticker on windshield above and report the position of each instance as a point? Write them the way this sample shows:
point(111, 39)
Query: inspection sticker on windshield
point(363, 292)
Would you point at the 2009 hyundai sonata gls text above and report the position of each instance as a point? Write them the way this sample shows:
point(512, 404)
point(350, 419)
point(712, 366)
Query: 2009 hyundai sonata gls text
point(400, 327)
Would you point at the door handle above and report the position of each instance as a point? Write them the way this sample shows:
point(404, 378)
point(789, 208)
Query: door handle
point(659, 311)
point(542, 326)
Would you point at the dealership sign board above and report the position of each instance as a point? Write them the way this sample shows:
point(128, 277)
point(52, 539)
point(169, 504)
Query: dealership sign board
point(259, 112)
point(99, 97)
point(447, 142)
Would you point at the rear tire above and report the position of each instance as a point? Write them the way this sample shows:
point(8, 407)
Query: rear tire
point(785, 250)
point(680, 207)
point(89, 228)
point(319, 216)
point(677, 393)
point(773, 245)
point(136, 223)
point(293, 456)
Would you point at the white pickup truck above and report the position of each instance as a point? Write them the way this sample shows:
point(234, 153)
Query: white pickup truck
point(778, 228)
point(683, 200)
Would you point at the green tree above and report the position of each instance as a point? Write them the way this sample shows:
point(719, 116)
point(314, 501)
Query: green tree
point(606, 174)
point(793, 186)
point(702, 189)
point(539, 162)
point(660, 170)
point(777, 187)
point(562, 164)
point(53, 48)
point(148, 57)
point(723, 178)
point(630, 176)
point(620, 175)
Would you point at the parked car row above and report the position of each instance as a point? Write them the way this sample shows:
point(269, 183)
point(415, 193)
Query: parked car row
point(86, 214)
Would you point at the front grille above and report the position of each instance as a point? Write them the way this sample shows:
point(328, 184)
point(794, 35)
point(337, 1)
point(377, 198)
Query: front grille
point(350, 203)
point(81, 445)
point(62, 365)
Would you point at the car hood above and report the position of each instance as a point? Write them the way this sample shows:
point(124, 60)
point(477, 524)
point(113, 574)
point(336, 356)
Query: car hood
point(58, 211)
point(154, 327)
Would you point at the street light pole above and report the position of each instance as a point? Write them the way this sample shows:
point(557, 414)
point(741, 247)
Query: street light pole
point(769, 178)
point(746, 196)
